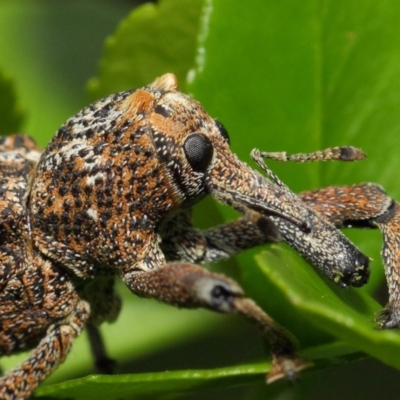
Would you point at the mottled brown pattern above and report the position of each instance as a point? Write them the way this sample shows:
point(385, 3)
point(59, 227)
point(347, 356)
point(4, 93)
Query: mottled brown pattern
point(112, 195)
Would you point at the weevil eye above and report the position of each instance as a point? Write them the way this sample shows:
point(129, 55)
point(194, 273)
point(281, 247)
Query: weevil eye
point(199, 151)
point(223, 131)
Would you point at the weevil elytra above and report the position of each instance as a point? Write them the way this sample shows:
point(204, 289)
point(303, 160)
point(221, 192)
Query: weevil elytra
point(112, 195)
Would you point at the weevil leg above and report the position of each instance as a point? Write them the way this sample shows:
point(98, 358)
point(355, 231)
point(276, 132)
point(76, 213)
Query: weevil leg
point(241, 234)
point(103, 363)
point(105, 305)
point(389, 224)
point(349, 206)
point(367, 205)
point(182, 242)
point(188, 286)
point(51, 351)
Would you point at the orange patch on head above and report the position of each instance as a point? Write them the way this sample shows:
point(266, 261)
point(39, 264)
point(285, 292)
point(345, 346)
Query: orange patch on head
point(140, 101)
point(167, 82)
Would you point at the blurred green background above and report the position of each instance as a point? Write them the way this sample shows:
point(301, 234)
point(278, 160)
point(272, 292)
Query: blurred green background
point(339, 87)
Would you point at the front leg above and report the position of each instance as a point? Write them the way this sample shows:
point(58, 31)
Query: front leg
point(367, 205)
point(188, 286)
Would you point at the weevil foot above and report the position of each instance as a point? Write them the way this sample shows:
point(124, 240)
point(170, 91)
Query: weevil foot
point(103, 363)
point(388, 318)
point(106, 366)
point(287, 366)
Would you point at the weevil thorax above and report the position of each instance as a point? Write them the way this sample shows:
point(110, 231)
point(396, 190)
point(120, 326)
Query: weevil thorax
point(113, 173)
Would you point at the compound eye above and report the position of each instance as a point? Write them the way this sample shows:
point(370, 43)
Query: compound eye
point(223, 131)
point(199, 151)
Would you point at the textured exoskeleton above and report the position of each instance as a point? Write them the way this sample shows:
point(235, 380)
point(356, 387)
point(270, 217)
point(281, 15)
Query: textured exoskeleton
point(112, 195)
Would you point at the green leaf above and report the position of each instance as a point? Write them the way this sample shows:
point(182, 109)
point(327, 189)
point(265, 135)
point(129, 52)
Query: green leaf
point(180, 384)
point(152, 40)
point(346, 314)
point(51, 48)
point(10, 111)
point(165, 385)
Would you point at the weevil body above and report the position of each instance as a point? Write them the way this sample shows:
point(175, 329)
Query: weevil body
point(112, 195)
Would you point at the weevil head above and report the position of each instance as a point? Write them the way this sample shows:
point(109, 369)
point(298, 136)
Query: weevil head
point(195, 155)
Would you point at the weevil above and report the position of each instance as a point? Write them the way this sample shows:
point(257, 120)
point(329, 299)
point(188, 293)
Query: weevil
point(112, 195)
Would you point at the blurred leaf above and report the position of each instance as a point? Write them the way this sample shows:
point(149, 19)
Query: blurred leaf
point(152, 40)
point(10, 111)
point(51, 48)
